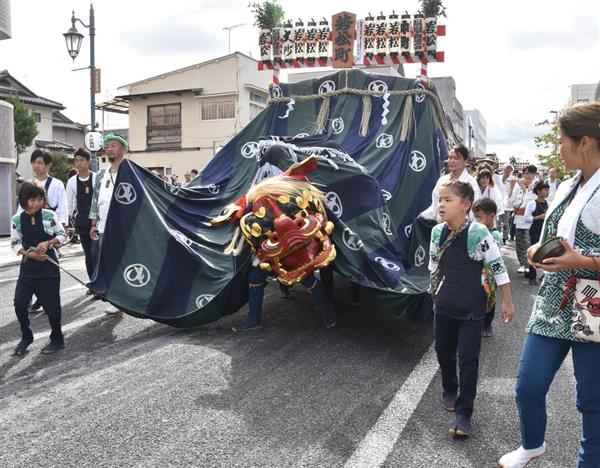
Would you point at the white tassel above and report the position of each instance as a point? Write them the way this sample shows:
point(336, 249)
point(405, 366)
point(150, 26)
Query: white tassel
point(407, 116)
point(366, 116)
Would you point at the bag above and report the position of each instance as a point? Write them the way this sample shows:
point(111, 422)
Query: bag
point(585, 324)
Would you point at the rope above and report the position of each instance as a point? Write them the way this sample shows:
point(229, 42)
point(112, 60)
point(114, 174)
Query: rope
point(365, 92)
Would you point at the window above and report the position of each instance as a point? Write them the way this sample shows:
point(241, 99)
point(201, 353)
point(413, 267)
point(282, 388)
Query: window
point(164, 127)
point(218, 109)
point(37, 116)
point(257, 103)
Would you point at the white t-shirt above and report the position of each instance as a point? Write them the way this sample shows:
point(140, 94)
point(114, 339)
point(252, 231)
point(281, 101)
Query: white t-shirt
point(104, 196)
point(520, 199)
point(494, 194)
point(72, 190)
point(553, 186)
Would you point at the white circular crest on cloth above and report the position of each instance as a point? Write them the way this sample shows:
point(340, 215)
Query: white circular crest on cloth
point(387, 196)
point(125, 193)
point(408, 230)
point(337, 125)
point(419, 256)
point(418, 161)
point(276, 92)
point(378, 86)
point(387, 264)
point(351, 239)
point(334, 203)
point(384, 141)
point(302, 135)
point(387, 224)
point(204, 299)
point(420, 97)
point(136, 275)
point(250, 150)
point(326, 87)
point(214, 189)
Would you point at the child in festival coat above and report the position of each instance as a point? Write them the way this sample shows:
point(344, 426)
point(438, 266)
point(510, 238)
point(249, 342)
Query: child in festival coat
point(35, 232)
point(485, 211)
point(458, 251)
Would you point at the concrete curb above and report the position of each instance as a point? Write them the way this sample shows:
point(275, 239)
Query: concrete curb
point(77, 253)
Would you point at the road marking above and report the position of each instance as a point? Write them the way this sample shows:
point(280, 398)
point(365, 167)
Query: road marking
point(71, 288)
point(374, 449)
point(8, 280)
point(65, 328)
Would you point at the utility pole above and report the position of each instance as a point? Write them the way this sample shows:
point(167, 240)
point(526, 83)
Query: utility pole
point(228, 29)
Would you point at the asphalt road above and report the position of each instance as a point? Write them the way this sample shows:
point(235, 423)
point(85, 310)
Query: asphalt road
point(131, 392)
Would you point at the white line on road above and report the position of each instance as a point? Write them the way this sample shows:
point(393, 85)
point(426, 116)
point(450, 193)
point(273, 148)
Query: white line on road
point(65, 328)
point(9, 280)
point(374, 449)
point(71, 288)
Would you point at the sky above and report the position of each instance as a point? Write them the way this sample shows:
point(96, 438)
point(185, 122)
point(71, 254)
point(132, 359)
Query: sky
point(512, 60)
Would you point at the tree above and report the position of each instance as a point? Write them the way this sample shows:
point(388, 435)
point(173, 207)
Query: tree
point(268, 14)
point(25, 126)
point(548, 143)
point(432, 8)
point(61, 165)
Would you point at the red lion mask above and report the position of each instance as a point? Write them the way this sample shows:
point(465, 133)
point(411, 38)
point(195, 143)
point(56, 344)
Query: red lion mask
point(283, 219)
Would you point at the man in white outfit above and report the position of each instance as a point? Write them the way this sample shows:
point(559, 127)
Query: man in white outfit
point(116, 147)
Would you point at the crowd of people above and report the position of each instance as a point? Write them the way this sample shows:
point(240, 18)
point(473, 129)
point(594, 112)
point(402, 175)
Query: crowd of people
point(475, 216)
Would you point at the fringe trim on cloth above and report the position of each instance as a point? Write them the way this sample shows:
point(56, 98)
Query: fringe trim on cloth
point(321, 122)
point(407, 118)
point(363, 92)
point(366, 116)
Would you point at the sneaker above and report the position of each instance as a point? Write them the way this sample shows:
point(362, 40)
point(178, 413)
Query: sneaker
point(487, 331)
point(246, 326)
point(53, 347)
point(112, 311)
point(329, 317)
point(520, 457)
point(461, 426)
point(521, 270)
point(449, 400)
point(21, 347)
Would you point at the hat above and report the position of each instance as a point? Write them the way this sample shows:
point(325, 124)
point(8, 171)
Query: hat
point(117, 138)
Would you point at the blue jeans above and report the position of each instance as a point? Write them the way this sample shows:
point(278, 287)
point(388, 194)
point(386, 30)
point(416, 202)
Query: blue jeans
point(540, 360)
point(257, 280)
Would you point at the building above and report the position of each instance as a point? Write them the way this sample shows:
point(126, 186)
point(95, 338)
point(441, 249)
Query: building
point(5, 30)
point(446, 88)
point(8, 161)
point(179, 119)
point(56, 132)
point(585, 92)
point(475, 133)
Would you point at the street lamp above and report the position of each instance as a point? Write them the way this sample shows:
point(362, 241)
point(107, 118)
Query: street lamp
point(73, 40)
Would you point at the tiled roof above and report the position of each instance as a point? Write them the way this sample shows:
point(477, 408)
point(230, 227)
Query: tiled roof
point(37, 100)
point(55, 145)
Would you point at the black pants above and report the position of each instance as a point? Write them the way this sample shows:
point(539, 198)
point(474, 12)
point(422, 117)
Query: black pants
point(464, 337)
point(90, 253)
point(47, 291)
